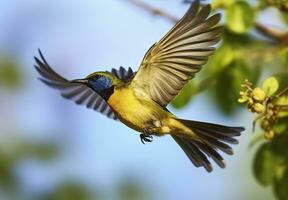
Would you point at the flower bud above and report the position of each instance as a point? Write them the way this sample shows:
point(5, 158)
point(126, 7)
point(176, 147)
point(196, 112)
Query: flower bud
point(258, 94)
point(269, 135)
point(258, 107)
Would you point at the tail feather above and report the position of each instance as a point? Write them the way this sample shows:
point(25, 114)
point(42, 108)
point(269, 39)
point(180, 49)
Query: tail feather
point(221, 129)
point(194, 154)
point(217, 136)
point(216, 144)
point(211, 153)
point(210, 139)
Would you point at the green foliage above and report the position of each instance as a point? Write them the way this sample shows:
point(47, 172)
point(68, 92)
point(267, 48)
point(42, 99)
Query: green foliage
point(281, 185)
point(270, 86)
point(184, 97)
point(11, 152)
point(271, 160)
point(227, 83)
point(285, 17)
point(222, 58)
point(221, 3)
point(282, 80)
point(271, 166)
point(266, 164)
point(10, 75)
point(242, 56)
point(69, 191)
point(227, 87)
point(239, 17)
point(132, 190)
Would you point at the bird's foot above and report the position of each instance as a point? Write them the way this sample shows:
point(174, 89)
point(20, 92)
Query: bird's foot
point(146, 138)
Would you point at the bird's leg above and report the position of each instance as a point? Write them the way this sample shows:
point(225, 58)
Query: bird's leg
point(146, 136)
point(148, 131)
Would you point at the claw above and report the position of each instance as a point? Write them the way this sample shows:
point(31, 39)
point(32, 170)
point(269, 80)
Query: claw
point(146, 138)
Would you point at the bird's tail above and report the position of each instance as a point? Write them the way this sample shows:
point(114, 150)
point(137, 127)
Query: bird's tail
point(210, 139)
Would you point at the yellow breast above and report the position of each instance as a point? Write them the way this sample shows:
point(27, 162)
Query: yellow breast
point(131, 110)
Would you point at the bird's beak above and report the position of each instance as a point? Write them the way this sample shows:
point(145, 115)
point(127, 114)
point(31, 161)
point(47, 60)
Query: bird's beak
point(83, 81)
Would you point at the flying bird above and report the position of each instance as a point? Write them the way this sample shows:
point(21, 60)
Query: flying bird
point(139, 99)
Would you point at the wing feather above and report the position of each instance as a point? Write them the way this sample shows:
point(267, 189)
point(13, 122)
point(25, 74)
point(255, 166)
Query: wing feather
point(79, 93)
point(179, 55)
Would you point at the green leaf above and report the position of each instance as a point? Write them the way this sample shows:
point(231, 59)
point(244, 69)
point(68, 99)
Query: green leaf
point(132, 190)
point(283, 101)
point(281, 185)
point(221, 3)
point(280, 126)
point(282, 79)
point(224, 92)
point(236, 41)
point(279, 148)
point(184, 97)
point(240, 17)
point(285, 17)
point(228, 84)
point(68, 191)
point(270, 86)
point(10, 75)
point(222, 58)
point(264, 165)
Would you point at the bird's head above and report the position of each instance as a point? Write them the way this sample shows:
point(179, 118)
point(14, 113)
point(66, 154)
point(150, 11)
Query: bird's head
point(101, 82)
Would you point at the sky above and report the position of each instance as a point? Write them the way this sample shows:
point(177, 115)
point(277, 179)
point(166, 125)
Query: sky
point(80, 37)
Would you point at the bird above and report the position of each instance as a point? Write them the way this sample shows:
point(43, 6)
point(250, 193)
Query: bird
point(140, 99)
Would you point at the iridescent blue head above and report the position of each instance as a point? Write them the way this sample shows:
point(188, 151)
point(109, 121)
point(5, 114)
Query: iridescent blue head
point(101, 82)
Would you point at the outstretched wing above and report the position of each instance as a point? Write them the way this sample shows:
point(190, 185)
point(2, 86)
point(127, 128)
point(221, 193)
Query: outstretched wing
point(170, 63)
point(79, 93)
point(123, 74)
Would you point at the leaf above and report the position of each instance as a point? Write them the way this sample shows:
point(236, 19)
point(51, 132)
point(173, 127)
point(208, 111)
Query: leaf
point(224, 91)
point(221, 3)
point(266, 164)
point(240, 17)
point(228, 84)
point(270, 85)
point(184, 97)
point(280, 126)
point(68, 191)
point(285, 17)
point(263, 166)
point(10, 75)
point(222, 58)
point(283, 101)
point(279, 148)
point(281, 185)
point(282, 79)
point(132, 190)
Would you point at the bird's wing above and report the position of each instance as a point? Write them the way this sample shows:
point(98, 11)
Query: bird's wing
point(170, 63)
point(123, 74)
point(79, 93)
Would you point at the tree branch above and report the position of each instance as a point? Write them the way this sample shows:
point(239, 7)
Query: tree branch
point(274, 34)
point(155, 11)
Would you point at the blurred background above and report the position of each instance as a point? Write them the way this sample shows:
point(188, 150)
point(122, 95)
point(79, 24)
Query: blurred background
point(51, 149)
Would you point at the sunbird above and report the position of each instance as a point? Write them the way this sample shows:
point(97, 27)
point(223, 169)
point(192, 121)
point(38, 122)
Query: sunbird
point(139, 99)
